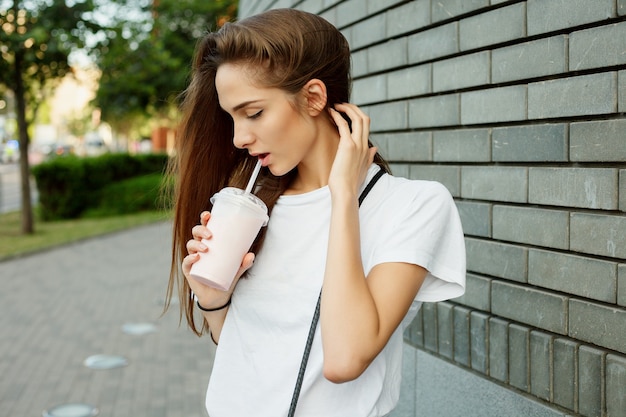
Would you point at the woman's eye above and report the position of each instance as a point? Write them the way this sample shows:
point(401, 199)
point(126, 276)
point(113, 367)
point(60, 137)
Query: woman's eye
point(255, 115)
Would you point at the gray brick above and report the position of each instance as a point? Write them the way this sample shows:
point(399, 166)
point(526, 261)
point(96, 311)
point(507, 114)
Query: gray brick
point(594, 188)
point(446, 9)
point(409, 82)
point(347, 33)
point(429, 325)
point(359, 63)
point(564, 381)
point(281, 4)
point(519, 337)
point(540, 364)
point(375, 6)
point(400, 170)
point(414, 333)
point(621, 91)
point(410, 16)
point(574, 96)
point(387, 116)
point(530, 225)
point(479, 329)
point(369, 90)
point(312, 6)
point(433, 43)
point(533, 143)
point(330, 15)
point(434, 111)
point(541, 309)
point(477, 293)
point(461, 335)
point(621, 285)
point(538, 58)
point(448, 175)
point(621, 7)
point(369, 31)
point(500, 25)
point(546, 16)
point(350, 11)
point(408, 146)
point(615, 385)
point(584, 320)
point(495, 183)
point(496, 259)
point(381, 141)
point(499, 349)
point(503, 104)
point(622, 190)
point(387, 55)
point(464, 71)
point(445, 329)
point(587, 277)
point(246, 11)
point(599, 234)
point(470, 145)
point(598, 141)
point(590, 381)
point(475, 217)
point(584, 50)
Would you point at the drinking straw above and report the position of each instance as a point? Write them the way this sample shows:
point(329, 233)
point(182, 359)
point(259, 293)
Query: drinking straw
point(255, 174)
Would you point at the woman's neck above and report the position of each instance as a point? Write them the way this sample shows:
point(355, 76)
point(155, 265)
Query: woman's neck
point(314, 169)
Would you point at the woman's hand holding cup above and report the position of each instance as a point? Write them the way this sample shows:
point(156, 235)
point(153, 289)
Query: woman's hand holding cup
point(209, 297)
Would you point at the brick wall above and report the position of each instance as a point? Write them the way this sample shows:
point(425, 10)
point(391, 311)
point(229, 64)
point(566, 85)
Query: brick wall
point(518, 108)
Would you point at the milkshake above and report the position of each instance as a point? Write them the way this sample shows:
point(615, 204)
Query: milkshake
point(235, 221)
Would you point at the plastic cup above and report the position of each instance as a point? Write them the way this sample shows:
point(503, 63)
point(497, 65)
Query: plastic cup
point(236, 219)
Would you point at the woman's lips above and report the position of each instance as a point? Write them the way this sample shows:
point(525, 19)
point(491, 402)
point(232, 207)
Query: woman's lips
point(264, 158)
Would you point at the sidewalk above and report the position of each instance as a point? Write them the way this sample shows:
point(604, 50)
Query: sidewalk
point(59, 307)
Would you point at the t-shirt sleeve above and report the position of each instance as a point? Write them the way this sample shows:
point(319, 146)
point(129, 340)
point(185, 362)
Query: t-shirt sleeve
point(426, 231)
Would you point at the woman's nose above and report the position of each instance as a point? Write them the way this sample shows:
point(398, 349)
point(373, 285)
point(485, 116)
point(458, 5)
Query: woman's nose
point(242, 137)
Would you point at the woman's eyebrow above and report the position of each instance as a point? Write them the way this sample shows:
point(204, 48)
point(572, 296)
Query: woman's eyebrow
point(244, 104)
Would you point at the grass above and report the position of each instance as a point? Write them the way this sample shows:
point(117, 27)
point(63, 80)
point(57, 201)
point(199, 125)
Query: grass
point(49, 234)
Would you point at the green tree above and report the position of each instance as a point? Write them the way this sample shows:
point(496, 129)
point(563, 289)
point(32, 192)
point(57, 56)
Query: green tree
point(36, 38)
point(147, 56)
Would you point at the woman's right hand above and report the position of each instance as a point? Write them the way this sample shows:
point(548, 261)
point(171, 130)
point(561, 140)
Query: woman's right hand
point(207, 296)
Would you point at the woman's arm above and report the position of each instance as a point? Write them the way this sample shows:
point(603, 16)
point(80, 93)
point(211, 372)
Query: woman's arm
point(357, 315)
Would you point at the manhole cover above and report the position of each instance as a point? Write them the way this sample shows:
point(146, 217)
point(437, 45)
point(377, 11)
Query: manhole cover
point(139, 328)
point(72, 410)
point(105, 362)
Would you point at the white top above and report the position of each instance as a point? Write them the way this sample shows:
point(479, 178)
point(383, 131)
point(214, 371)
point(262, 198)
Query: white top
point(263, 337)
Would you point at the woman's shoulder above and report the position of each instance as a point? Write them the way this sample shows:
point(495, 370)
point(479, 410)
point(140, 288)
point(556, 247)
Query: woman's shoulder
point(399, 189)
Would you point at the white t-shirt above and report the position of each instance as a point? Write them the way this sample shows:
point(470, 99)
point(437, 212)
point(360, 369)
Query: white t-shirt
point(263, 337)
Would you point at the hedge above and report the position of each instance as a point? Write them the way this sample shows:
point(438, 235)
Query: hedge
point(128, 196)
point(69, 186)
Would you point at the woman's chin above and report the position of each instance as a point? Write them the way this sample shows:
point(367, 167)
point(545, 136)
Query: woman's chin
point(278, 171)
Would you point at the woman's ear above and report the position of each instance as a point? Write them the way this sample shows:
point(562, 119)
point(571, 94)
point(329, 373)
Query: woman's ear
point(315, 95)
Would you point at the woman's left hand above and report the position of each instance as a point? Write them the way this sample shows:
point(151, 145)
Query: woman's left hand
point(354, 156)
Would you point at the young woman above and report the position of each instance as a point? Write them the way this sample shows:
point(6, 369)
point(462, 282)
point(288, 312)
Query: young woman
point(276, 87)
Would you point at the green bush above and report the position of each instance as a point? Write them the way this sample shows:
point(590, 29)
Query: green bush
point(128, 196)
point(70, 185)
point(62, 194)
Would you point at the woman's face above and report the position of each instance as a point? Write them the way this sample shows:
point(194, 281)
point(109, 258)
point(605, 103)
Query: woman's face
point(266, 121)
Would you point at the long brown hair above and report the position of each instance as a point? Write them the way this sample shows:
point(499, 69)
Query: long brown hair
point(289, 48)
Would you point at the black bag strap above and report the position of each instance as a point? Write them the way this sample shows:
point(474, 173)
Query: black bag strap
point(316, 316)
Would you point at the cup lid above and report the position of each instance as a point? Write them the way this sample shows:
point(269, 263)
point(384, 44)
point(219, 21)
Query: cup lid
point(242, 196)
